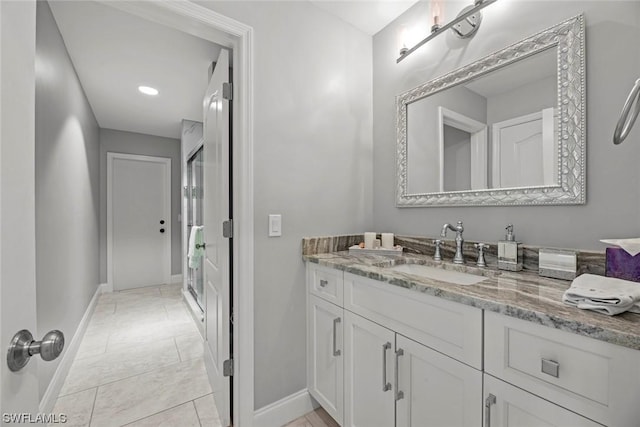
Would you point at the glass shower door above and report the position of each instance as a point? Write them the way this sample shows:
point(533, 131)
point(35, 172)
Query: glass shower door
point(194, 194)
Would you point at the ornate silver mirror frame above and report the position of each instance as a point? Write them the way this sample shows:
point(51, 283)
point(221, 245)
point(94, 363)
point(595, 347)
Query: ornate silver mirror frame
point(568, 38)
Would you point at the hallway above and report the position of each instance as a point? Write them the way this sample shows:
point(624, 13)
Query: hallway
point(140, 363)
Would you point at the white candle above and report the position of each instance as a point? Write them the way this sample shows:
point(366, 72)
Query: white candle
point(387, 240)
point(368, 240)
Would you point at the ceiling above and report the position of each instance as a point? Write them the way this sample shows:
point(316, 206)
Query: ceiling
point(114, 52)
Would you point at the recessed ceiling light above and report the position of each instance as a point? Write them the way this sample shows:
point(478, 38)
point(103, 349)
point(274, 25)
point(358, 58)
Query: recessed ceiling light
point(148, 90)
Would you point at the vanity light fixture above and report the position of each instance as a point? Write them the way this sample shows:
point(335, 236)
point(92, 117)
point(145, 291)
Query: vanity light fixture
point(464, 25)
point(147, 90)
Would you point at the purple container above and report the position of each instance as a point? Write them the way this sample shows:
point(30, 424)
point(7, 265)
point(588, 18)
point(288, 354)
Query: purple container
point(621, 265)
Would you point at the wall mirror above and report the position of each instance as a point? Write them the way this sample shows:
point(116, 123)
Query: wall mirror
point(508, 129)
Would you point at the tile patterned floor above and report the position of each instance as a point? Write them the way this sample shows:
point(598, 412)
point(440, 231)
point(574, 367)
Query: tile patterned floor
point(139, 364)
point(317, 418)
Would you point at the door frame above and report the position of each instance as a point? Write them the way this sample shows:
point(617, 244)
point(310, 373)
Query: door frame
point(205, 23)
point(166, 162)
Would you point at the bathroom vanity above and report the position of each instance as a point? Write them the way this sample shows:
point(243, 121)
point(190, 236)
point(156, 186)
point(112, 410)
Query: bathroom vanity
point(394, 345)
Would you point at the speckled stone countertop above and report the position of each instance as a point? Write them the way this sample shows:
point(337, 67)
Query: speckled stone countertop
point(523, 295)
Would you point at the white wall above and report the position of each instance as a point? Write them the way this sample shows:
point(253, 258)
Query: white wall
point(612, 66)
point(146, 145)
point(67, 192)
point(312, 164)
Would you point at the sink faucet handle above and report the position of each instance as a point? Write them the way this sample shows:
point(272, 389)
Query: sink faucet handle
point(436, 255)
point(481, 247)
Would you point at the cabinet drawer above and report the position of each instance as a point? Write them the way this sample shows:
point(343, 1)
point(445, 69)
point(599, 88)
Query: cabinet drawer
point(588, 376)
point(510, 406)
point(448, 327)
point(325, 283)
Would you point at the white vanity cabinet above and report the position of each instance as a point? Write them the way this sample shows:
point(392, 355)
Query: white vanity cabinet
point(509, 406)
point(325, 353)
point(593, 378)
point(388, 379)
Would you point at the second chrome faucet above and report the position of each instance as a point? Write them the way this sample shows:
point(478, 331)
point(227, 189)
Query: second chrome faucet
point(458, 257)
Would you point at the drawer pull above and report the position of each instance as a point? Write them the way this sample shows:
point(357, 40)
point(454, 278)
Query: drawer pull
point(323, 283)
point(385, 385)
point(336, 352)
point(550, 367)
point(490, 400)
point(399, 393)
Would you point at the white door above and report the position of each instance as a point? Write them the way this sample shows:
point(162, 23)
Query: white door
point(525, 150)
point(325, 356)
point(436, 390)
point(18, 390)
point(216, 210)
point(514, 407)
point(138, 220)
point(368, 372)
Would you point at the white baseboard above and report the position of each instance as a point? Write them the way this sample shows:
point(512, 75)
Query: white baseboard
point(51, 394)
point(176, 278)
point(284, 410)
point(106, 287)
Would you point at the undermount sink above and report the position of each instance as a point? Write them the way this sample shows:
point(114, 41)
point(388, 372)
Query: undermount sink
point(455, 277)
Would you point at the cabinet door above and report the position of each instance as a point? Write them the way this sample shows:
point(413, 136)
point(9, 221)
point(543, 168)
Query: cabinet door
point(325, 356)
point(434, 389)
point(514, 407)
point(369, 355)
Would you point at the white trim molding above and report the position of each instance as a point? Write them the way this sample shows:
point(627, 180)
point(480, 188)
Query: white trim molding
point(176, 278)
point(207, 24)
point(166, 162)
point(69, 354)
point(285, 410)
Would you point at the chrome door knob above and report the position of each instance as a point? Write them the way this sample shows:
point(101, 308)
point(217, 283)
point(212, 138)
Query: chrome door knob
point(23, 346)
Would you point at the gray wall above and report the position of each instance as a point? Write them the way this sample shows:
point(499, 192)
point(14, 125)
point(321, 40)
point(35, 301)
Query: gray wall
point(457, 159)
point(147, 145)
point(67, 191)
point(613, 176)
point(312, 164)
point(527, 99)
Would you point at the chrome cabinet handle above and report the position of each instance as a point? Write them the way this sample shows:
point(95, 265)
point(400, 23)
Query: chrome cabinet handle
point(550, 367)
point(399, 393)
point(323, 283)
point(336, 352)
point(490, 400)
point(385, 385)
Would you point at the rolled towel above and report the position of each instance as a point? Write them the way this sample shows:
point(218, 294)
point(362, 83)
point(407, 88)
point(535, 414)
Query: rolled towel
point(603, 294)
point(196, 246)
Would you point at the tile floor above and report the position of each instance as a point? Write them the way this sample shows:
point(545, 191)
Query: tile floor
point(139, 364)
point(317, 418)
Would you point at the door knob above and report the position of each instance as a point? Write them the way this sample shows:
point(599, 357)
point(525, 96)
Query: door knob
point(162, 230)
point(23, 346)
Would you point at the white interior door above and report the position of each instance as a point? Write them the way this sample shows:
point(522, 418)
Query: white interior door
point(139, 214)
point(18, 390)
point(524, 150)
point(216, 210)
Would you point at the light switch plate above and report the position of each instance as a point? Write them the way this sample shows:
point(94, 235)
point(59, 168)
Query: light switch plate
point(275, 225)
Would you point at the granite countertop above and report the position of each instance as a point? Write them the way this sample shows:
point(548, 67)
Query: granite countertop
point(523, 295)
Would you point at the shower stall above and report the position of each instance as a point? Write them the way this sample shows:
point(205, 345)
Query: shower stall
point(193, 195)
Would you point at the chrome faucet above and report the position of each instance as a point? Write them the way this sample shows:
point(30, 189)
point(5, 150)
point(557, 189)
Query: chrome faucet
point(458, 258)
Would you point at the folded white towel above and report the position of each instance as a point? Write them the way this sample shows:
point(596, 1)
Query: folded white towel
point(603, 294)
point(632, 246)
point(196, 238)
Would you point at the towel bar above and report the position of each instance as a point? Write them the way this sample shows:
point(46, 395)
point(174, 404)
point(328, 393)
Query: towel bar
point(625, 123)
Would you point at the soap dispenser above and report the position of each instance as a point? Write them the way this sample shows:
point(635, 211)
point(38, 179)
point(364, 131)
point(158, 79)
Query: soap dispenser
point(509, 252)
